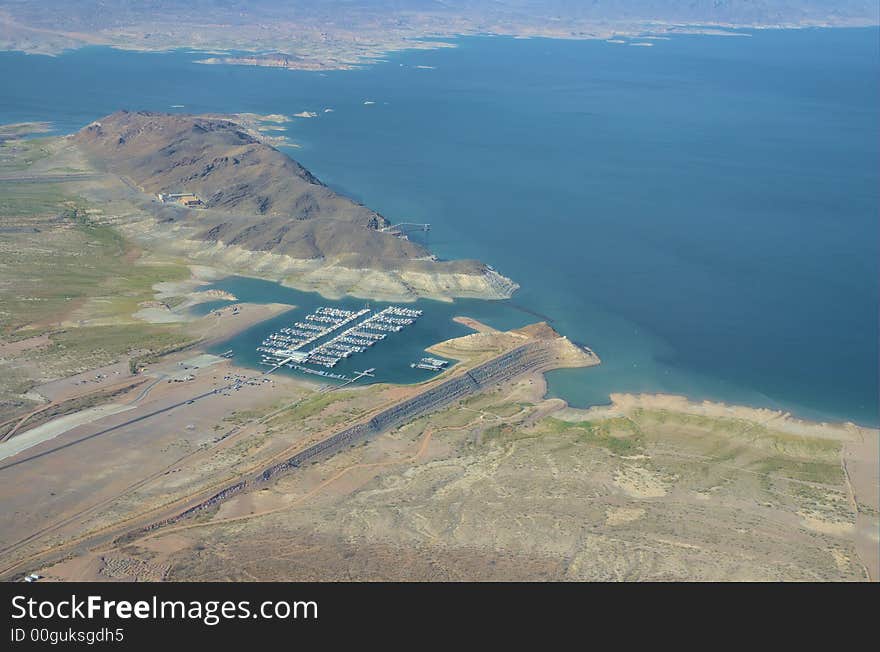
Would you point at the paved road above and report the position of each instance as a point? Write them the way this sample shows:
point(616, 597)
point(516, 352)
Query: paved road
point(51, 178)
point(147, 389)
point(112, 428)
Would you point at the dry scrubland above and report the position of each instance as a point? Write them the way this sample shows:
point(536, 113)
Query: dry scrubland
point(504, 485)
point(69, 283)
point(76, 294)
point(499, 494)
point(112, 479)
point(508, 486)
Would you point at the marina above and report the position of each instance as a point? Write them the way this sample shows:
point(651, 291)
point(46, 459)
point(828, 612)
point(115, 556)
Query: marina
point(289, 346)
point(430, 364)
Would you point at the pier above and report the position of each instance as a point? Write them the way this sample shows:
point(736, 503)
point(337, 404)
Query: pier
point(286, 347)
point(430, 364)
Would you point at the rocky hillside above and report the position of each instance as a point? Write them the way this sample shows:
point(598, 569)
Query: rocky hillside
point(218, 160)
point(261, 208)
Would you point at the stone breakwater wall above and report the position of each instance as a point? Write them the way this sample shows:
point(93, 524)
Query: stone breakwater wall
point(216, 499)
point(532, 356)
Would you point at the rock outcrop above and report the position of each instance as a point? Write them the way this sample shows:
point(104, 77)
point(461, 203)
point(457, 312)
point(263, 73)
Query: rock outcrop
point(257, 211)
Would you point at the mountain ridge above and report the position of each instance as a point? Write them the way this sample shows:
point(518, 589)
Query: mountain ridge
point(261, 210)
point(340, 34)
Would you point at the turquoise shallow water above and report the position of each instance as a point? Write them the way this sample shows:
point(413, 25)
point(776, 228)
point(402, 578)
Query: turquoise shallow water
point(703, 213)
point(391, 357)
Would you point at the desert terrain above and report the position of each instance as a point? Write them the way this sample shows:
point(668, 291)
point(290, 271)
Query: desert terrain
point(195, 426)
point(501, 485)
point(97, 271)
point(328, 35)
point(509, 486)
point(129, 453)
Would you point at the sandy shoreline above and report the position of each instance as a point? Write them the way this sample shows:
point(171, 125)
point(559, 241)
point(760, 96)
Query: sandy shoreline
point(859, 455)
point(622, 404)
point(332, 281)
point(619, 402)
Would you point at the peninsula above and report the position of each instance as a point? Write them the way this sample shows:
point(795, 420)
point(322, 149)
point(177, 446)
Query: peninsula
point(216, 192)
point(159, 461)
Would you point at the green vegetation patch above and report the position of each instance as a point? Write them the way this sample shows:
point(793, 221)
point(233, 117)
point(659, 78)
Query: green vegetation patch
point(19, 154)
point(73, 350)
point(77, 281)
point(162, 342)
point(48, 267)
point(827, 473)
point(22, 200)
point(619, 436)
point(508, 409)
point(502, 431)
point(312, 405)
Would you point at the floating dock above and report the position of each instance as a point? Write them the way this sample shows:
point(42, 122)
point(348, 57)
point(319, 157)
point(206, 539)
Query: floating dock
point(289, 346)
point(430, 364)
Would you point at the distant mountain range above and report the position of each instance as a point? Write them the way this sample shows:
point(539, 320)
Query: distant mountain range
point(340, 33)
point(84, 15)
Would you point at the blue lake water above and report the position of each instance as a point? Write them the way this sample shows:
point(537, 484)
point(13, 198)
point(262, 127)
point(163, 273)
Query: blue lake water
point(703, 213)
point(391, 357)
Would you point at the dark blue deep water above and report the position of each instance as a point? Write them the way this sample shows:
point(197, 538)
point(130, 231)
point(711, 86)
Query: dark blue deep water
point(703, 213)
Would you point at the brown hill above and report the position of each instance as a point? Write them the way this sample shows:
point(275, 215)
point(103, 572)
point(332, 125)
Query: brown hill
point(266, 209)
point(218, 160)
point(260, 199)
